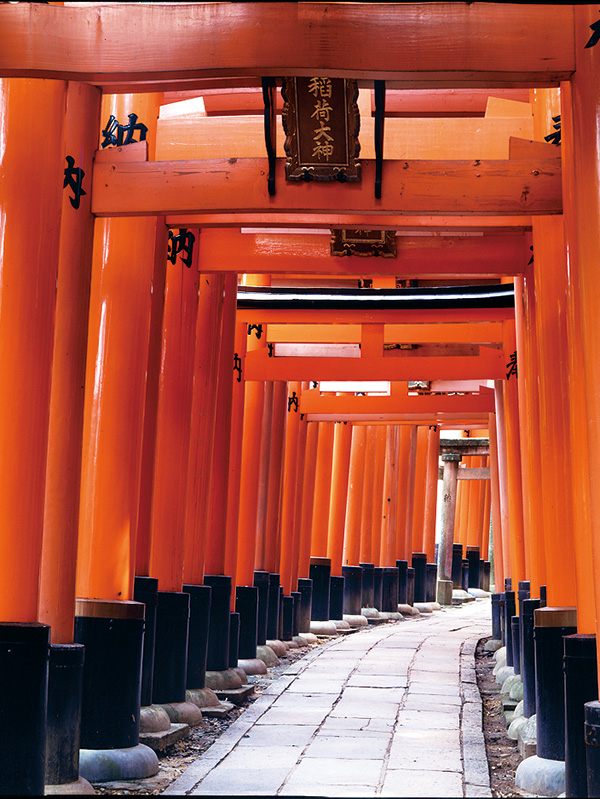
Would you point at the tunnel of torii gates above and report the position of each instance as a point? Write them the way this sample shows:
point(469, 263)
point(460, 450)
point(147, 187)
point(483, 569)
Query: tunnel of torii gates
point(201, 404)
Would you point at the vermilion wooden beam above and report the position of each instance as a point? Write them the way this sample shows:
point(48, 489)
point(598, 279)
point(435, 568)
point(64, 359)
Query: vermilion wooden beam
point(375, 221)
point(451, 421)
point(452, 256)
point(413, 45)
point(196, 136)
point(314, 402)
point(488, 365)
point(336, 317)
point(412, 187)
point(408, 334)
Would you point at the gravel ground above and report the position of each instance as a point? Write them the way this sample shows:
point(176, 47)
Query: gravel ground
point(502, 753)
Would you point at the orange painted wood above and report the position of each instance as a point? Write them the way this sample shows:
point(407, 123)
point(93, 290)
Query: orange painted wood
point(404, 316)
point(523, 148)
point(235, 459)
point(496, 511)
point(451, 46)
point(351, 552)
point(408, 334)
point(202, 429)
point(339, 491)
point(550, 275)
point(320, 519)
point(300, 541)
point(378, 488)
point(418, 527)
point(584, 541)
point(216, 534)
point(308, 495)
point(445, 102)
point(31, 175)
point(406, 490)
point(443, 187)
point(447, 223)
point(117, 358)
point(484, 256)
point(390, 527)
point(315, 403)
point(263, 480)
point(365, 554)
point(196, 136)
point(485, 538)
point(250, 464)
point(288, 494)
point(273, 528)
point(173, 426)
point(143, 536)
point(488, 365)
point(65, 430)
point(429, 522)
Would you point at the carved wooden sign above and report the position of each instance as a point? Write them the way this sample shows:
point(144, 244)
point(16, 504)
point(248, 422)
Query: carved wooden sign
point(349, 241)
point(321, 122)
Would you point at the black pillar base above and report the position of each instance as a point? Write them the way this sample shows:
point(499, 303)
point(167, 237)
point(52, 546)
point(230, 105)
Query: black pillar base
point(524, 592)
point(474, 566)
point(234, 639)
point(496, 630)
point(65, 681)
point(410, 586)
point(402, 566)
point(280, 632)
point(352, 589)
point(419, 564)
point(465, 575)
point(171, 647)
point(336, 597)
point(581, 686)
point(377, 586)
point(528, 655)
point(430, 582)
point(305, 588)
point(217, 657)
point(246, 604)
point(200, 602)
point(273, 614)
point(261, 581)
point(457, 560)
point(112, 672)
point(389, 589)
point(24, 652)
point(367, 585)
point(592, 749)
point(297, 597)
point(320, 574)
point(550, 627)
point(287, 616)
point(487, 574)
point(516, 644)
point(145, 589)
point(509, 612)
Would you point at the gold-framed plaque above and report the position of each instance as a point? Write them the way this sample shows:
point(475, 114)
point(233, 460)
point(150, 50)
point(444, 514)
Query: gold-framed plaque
point(349, 241)
point(321, 122)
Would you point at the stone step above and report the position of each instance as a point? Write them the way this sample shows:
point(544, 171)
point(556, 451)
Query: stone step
point(219, 711)
point(236, 695)
point(159, 741)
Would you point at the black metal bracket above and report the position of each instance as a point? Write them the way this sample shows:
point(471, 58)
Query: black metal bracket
point(379, 120)
point(269, 90)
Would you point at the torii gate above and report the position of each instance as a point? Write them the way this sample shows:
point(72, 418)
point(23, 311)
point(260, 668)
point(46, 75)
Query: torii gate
point(203, 46)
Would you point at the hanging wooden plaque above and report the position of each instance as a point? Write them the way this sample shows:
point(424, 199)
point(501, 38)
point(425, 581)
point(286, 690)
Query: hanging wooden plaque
point(321, 122)
point(349, 241)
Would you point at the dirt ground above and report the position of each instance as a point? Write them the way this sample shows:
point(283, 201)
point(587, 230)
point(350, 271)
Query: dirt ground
point(502, 753)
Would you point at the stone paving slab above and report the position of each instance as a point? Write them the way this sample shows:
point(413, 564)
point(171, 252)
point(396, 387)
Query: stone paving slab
point(390, 711)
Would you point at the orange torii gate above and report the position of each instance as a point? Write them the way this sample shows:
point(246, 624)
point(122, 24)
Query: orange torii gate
point(190, 48)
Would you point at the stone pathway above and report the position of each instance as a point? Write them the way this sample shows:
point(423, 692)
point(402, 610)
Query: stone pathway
point(392, 710)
